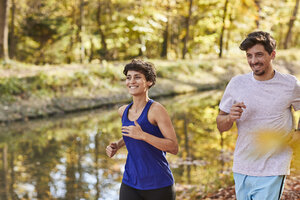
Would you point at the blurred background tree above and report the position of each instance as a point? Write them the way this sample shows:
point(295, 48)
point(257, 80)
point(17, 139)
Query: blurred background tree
point(3, 29)
point(84, 31)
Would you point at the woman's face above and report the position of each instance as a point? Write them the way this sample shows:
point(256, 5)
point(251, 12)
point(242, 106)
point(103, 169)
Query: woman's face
point(136, 83)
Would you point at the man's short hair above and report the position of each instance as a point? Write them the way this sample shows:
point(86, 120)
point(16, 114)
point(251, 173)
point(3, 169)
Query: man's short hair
point(259, 37)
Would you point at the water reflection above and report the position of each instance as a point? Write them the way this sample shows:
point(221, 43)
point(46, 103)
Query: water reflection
point(64, 157)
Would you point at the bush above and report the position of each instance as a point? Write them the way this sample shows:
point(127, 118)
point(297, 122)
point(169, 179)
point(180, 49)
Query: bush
point(11, 86)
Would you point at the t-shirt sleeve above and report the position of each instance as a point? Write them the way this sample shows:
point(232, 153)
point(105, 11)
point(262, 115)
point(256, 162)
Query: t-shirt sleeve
point(227, 100)
point(296, 96)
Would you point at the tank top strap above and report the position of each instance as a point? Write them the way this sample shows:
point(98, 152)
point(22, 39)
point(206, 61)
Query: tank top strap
point(147, 107)
point(145, 110)
point(125, 113)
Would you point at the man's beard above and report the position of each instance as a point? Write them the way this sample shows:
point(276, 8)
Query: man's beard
point(258, 72)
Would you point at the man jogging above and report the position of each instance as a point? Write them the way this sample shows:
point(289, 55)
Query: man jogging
point(259, 102)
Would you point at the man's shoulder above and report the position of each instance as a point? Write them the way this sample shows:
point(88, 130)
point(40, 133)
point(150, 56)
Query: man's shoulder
point(241, 77)
point(286, 77)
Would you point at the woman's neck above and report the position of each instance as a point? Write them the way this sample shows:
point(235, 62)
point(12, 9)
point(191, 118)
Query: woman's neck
point(139, 102)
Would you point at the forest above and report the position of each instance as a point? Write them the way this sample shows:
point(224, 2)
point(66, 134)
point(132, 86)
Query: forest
point(90, 31)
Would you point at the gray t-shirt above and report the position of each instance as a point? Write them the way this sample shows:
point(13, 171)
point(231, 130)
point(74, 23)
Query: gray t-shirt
point(268, 108)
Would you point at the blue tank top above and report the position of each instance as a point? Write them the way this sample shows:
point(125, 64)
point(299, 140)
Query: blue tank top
point(146, 166)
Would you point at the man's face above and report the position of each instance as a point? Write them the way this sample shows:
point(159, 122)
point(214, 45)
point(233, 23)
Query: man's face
point(260, 60)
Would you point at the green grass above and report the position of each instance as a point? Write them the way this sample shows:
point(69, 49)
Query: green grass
point(23, 80)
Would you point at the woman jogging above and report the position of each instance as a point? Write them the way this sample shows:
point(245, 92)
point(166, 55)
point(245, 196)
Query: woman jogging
point(148, 134)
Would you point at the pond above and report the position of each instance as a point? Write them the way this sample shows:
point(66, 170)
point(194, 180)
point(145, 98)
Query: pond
point(63, 157)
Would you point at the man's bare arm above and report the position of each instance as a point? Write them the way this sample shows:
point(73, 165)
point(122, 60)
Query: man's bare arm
point(225, 120)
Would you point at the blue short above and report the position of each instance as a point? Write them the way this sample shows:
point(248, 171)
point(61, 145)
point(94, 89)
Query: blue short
point(258, 187)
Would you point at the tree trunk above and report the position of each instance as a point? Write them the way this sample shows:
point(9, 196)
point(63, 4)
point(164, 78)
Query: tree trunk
point(164, 51)
point(91, 57)
point(258, 8)
point(281, 35)
point(69, 56)
point(102, 35)
point(73, 37)
point(4, 190)
point(12, 37)
point(229, 30)
point(291, 24)
point(223, 29)
point(4, 29)
point(80, 29)
point(187, 27)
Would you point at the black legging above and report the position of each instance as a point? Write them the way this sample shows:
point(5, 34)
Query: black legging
point(129, 193)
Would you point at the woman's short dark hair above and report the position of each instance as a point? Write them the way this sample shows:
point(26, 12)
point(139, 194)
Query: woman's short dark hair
point(146, 68)
point(259, 37)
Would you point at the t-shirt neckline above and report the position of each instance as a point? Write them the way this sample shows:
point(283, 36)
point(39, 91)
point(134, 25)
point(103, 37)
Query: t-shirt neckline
point(266, 81)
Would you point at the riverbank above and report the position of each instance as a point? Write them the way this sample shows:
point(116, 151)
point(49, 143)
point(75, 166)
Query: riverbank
point(30, 92)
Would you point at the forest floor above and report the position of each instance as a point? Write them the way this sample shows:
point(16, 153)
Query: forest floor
point(291, 191)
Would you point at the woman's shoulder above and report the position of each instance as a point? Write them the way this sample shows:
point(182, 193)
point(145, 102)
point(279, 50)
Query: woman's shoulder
point(122, 109)
point(156, 105)
point(155, 112)
point(157, 109)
